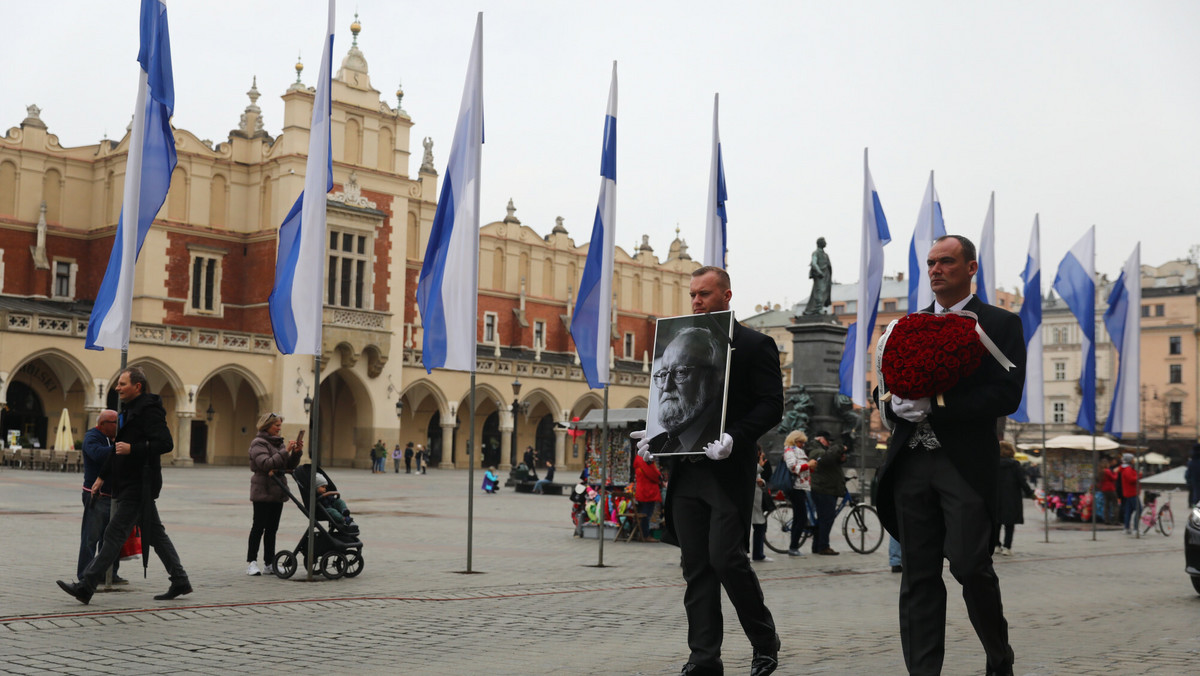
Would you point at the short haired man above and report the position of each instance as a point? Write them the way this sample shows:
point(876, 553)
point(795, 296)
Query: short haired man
point(709, 497)
point(134, 473)
point(97, 445)
point(937, 487)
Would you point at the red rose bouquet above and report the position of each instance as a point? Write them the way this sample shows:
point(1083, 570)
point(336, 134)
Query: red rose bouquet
point(926, 354)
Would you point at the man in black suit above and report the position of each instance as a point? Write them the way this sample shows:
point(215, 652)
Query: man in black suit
point(709, 497)
point(134, 473)
point(937, 487)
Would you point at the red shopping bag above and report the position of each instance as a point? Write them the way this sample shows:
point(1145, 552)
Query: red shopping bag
point(133, 545)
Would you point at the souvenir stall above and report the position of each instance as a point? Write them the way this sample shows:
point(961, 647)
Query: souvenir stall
point(1069, 466)
point(617, 458)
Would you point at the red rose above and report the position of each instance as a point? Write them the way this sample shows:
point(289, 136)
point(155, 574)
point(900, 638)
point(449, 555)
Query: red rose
point(927, 354)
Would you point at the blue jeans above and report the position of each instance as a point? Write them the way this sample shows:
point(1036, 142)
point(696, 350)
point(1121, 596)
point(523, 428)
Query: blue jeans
point(1129, 510)
point(893, 551)
point(95, 520)
point(826, 505)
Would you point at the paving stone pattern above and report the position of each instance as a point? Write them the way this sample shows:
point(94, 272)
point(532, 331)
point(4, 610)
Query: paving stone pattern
point(538, 605)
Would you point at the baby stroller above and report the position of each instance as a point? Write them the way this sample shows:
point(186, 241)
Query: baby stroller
point(337, 551)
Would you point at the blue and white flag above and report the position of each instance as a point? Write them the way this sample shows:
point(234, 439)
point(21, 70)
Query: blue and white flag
point(448, 288)
point(148, 170)
point(591, 327)
point(930, 226)
point(1076, 283)
point(1032, 408)
point(985, 277)
point(716, 241)
point(875, 235)
point(1123, 321)
point(296, 302)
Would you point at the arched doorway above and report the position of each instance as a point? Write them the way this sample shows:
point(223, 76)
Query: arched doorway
point(489, 445)
point(345, 430)
point(433, 439)
point(228, 404)
point(24, 418)
point(544, 440)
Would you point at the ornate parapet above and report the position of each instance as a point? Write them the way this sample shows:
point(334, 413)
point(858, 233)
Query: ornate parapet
point(355, 334)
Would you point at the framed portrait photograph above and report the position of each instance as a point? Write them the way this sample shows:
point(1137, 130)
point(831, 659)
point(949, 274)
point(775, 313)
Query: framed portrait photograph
point(688, 382)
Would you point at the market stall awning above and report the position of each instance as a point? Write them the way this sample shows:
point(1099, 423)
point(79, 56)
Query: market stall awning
point(1153, 458)
point(1082, 442)
point(1172, 478)
point(617, 417)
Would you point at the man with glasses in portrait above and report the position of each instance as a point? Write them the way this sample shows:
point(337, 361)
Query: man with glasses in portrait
point(690, 381)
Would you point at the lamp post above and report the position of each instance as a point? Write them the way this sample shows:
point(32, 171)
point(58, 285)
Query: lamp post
point(399, 412)
point(517, 408)
point(208, 415)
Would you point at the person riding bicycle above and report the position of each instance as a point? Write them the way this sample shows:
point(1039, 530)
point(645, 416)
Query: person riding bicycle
point(828, 485)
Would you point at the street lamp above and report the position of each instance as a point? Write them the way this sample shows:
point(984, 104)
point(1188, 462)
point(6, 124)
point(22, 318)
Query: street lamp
point(208, 415)
point(399, 412)
point(517, 407)
point(308, 402)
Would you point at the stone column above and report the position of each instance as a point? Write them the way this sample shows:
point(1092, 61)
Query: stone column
point(560, 448)
point(506, 428)
point(90, 416)
point(447, 446)
point(183, 440)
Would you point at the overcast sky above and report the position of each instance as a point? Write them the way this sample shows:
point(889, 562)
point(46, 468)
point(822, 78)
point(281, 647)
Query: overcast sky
point(1084, 112)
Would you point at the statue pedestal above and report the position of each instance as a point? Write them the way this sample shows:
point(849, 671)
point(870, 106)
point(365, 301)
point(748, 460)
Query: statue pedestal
point(817, 342)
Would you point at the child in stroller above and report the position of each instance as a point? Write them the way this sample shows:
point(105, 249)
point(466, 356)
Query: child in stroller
point(334, 505)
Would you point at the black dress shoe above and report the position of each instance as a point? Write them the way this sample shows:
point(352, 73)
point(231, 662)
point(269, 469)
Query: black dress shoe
point(177, 589)
point(764, 662)
point(897, 569)
point(76, 589)
point(691, 669)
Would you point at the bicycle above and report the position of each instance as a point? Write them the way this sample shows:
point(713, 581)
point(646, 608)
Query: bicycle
point(1153, 513)
point(861, 527)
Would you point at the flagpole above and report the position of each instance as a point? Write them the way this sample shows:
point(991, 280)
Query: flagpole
point(314, 451)
point(471, 478)
point(603, 475)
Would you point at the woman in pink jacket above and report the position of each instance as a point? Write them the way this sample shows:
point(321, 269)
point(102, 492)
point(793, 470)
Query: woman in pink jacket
point(269, 455)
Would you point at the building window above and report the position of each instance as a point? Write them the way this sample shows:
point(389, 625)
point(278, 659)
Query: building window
point(629, 346)
point(839, 309)
point(889, 306)
point(1176, 374)
point(347, 282)
point(539, 335)
point(1175, 411)
point(489, 327)
point(1176, 344)
point(1060, 370)
point(1145, 310)
point(64, 279)
point(204, 295)
point(1060, 412)
point(1159, 310)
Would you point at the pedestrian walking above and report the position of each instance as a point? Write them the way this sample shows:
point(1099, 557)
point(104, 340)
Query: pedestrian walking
point(647, 491)
point(408, 458)
point(1109, 506)
point(1128, 491)
point(828, 484)
point(801, 467)
point(710, 498)
point(134, 474)
point(762, 504)
point(396, 455)
point(1012, 490)
point(937, 485)
point(270, 458)
point(420, 458)
point(97, 446)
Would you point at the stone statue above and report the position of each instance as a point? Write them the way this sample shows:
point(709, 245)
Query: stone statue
point(821, 272)
point(797, 410)
point(427, 160)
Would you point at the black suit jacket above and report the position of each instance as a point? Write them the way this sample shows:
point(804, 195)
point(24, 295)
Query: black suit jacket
point(754, 405)
point(966, 425)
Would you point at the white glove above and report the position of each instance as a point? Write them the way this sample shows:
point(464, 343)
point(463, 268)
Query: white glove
point(721, 448)
point(643, 445)
point(912, 410)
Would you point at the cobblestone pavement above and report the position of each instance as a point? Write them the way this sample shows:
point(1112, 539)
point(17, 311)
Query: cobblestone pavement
point(539, 605)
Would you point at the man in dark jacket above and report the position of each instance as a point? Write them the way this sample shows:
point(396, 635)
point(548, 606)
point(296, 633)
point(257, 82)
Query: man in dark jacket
point(710, 496)
point(828, 485)
point(133, 474)
point(937, 486)
point(97, 446)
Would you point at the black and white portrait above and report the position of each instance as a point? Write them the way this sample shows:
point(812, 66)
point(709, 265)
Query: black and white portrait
point(687, 384)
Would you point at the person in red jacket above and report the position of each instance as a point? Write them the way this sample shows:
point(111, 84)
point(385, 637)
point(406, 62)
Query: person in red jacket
point(648, 493)
point(1108, 491)
point(1128, 491)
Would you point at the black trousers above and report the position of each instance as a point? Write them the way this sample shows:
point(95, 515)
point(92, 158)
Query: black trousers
point(126, 513)
point(712, 541)
point(266, 523)
point(940, 515)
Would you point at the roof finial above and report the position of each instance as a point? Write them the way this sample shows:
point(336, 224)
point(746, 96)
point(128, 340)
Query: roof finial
point(355, 28)
point(299, 68)
point(400, 98)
